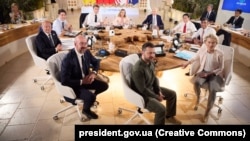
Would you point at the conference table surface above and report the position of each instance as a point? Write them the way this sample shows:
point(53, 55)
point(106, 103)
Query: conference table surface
point(131, 40)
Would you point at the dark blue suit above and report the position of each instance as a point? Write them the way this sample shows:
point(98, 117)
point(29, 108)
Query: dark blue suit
point(44, 47)
point(211, 17)
point(149, 21)
point(71, 75)
point(238, 23)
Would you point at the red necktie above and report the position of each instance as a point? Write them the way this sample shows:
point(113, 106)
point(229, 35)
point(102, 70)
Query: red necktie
point(184, 28)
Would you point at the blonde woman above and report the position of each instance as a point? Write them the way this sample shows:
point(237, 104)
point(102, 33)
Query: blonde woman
point(16, 15)
point(210, 71)
point(121, 19)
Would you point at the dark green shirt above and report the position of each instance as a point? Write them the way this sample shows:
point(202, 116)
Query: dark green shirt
point(144, 81)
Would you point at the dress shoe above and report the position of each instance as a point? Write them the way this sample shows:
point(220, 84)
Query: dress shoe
point(90, 114)
point(187, 74)
point(205, 119)
point(173, 120)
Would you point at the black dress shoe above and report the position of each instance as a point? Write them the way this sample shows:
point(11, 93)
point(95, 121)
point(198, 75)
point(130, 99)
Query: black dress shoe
point(90, 114)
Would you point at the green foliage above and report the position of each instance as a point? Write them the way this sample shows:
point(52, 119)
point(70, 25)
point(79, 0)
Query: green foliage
point(195, 7)
point(24, 5)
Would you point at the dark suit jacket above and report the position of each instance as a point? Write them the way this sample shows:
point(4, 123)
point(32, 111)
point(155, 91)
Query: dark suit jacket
point(44, 48)
point(212, 16)
point(71, 72)
point(238, 23)
point(149, 21)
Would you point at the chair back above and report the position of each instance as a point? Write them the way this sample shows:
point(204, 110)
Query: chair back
point(228, 63)
point(126, 65)
point(54, 64)
point(39, 61)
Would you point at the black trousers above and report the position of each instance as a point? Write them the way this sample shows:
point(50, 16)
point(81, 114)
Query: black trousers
point(227, 36)
point(84, 92)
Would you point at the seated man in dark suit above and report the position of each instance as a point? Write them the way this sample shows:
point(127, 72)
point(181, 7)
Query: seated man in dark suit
point(47, 41)
point(209, 14)
point(154, 19)
point(236, 21)
point(75, 73)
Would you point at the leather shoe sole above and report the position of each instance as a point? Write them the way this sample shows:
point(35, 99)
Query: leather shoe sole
point(90, 114)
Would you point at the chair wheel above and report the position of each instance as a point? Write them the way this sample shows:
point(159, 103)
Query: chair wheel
point(61, 100)
point(55, 117)
point(219, 110)
point(84, 119)
point(220, 99)
point(119, 111)
point(42, 88)
point(96, 103)
point(196, 108)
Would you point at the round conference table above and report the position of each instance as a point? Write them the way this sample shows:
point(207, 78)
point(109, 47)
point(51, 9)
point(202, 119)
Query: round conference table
point(124, 39)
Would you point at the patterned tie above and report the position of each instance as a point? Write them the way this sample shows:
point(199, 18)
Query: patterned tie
point(184, 28)
point(51, 40)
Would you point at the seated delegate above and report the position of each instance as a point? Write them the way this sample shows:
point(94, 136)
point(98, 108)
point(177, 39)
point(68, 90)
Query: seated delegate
point(202, 32)
point(47, 41)
point(94, 18)
point(210, 71)
point(185, 26)
point(61, 25)
point(235, 21)
point(154, 19)
point(76, 73)
point(121, 19)
point(16, 15)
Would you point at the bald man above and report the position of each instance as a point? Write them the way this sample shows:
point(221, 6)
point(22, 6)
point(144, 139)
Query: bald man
point(76, 74)
point(154, 19)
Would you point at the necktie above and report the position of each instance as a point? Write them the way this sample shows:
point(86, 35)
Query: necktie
point(51, 40)
point(95, 18)
point(184, 28)
point(207, 15)
point(63, 25)
point(84, 66)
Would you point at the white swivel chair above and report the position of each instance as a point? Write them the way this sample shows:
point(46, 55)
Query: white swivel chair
point(126, 65)
point(228, 71)
point(54, 65)
point(40, 62)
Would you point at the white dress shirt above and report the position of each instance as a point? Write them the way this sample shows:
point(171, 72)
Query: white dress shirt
point(91, 19)
point(154, 22)
point(57, 26)
point(118, 21)
point(208, 30)
point(190, 27)
point(79, 57)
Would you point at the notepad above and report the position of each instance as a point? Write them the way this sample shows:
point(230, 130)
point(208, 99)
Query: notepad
point(185, 54)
